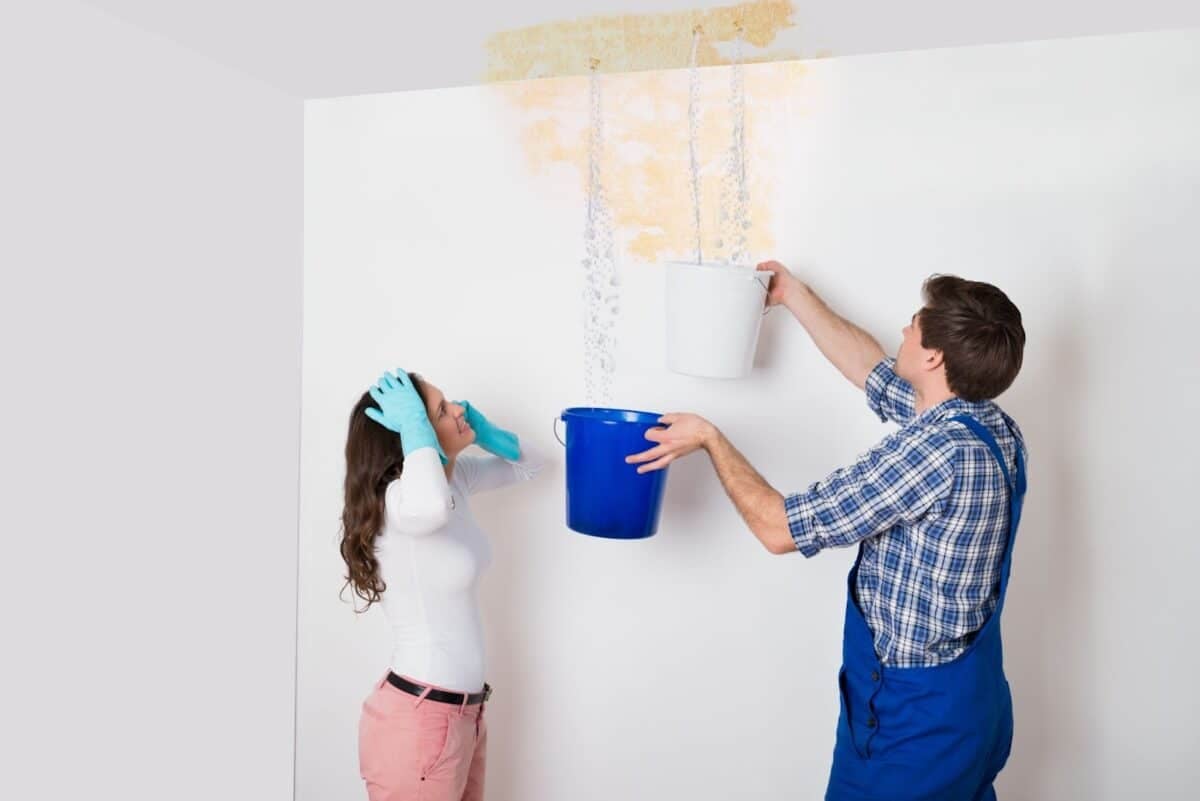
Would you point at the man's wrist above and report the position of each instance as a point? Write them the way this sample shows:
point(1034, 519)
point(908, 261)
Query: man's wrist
point(709, 437)
point(797, 297)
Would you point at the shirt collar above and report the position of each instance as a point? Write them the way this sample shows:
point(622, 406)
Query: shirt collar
point(951, 407)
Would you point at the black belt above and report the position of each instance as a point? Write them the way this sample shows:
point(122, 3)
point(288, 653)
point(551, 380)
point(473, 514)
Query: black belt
point(441, 696)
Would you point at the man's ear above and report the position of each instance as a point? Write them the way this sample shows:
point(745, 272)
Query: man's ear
point(934, 360)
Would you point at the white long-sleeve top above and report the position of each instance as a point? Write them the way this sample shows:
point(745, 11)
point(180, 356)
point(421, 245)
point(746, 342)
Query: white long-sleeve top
point(431, 555)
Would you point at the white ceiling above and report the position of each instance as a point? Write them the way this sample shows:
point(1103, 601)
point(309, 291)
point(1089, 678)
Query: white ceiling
point(323, 48)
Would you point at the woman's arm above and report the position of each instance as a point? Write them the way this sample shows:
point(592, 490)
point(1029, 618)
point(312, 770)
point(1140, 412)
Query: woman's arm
point(484, 473)
point(418, 502)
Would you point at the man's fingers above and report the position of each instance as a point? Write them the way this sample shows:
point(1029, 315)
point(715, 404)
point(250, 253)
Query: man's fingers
point(658, 465)
point(645, 456)
point(655, 434)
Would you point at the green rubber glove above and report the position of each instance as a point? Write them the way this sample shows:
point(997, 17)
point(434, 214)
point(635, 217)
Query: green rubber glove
point(402, 410)
point(491, 438)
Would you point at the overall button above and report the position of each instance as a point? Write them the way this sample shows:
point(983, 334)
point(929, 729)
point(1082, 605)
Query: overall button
point(874, 675)
point(870, 723)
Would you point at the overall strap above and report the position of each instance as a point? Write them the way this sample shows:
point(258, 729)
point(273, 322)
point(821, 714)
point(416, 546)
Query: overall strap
point(1016, 486)
point(981, 431)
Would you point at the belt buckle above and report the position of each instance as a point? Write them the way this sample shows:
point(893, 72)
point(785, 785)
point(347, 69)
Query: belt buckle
point(487, 692)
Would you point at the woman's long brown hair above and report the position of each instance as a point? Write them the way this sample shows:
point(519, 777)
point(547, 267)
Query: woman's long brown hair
point(374, 459)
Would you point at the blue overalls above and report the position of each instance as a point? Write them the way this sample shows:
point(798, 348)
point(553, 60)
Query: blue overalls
point(926, 734)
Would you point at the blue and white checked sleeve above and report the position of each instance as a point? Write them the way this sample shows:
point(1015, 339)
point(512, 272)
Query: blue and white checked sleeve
point(897, 481)
point(889, 395)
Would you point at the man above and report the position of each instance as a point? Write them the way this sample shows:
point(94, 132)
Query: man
point(926, 711)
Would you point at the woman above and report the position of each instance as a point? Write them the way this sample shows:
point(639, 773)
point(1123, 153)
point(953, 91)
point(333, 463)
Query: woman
point(411, 544)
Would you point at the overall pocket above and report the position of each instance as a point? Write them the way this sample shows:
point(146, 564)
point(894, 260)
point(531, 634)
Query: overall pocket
point(845, 727)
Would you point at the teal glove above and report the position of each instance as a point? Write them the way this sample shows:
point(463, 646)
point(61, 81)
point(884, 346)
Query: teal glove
point(402, 410)
point(492, 439)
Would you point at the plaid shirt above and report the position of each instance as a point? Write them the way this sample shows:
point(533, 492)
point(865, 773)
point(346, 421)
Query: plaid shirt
point(929, 508)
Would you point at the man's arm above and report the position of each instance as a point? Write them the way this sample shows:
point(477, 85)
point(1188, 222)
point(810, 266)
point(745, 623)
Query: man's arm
point(759, 504)
point(899, 480)
point(852, 350)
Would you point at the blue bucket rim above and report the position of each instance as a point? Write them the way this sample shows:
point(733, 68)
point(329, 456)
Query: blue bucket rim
point(609, 415)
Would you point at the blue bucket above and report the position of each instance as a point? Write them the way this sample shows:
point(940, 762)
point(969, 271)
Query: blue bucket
point(605, 496)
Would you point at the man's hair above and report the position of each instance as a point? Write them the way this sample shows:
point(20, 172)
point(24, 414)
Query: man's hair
point(978, 330)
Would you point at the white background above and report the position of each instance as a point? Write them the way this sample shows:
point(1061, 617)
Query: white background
point(150, 243)
point(694, 665)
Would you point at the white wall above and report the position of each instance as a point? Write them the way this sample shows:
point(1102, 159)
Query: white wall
point(694, 665)
point(150, 242)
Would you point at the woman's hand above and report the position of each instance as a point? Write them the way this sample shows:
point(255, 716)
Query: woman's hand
point(490, 437)
point(402, 410)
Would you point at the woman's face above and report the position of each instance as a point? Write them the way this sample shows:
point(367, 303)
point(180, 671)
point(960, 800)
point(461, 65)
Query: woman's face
point(449, 421)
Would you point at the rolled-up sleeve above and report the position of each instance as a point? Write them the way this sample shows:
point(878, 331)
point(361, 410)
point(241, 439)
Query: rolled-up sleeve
point(889, 395)
point(897, 481)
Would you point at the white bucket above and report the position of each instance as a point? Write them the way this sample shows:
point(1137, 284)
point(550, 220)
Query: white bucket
point(714, 313)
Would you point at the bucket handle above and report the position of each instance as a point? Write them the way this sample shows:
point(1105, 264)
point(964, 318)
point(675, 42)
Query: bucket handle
point(766, 288)
point(556, 436)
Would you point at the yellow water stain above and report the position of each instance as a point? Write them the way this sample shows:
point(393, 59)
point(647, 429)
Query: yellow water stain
point(646, 245)
point(645, 162)
point(546, 137)
point(637, 42)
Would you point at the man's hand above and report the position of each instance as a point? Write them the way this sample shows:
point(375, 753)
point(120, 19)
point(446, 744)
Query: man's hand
point(851, 350)
point(783, 287)
point(685, 433)
point(757, 502)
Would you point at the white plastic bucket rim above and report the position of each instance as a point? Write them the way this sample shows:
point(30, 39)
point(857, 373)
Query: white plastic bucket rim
point(726, 270)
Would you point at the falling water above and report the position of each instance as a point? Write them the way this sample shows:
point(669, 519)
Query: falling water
point(600, 292)
point(735, 194)
point(693, 132)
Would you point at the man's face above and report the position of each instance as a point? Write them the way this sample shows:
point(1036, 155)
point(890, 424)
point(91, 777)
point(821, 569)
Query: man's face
point(911, 356)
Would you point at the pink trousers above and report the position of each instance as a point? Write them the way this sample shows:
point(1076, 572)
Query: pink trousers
point(414, 749)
